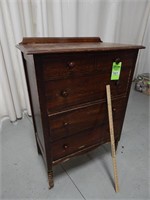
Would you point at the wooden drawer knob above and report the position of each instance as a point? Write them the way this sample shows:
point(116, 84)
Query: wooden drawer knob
point(117, 60)
point(114, 109)
point(65, 146)
point(71, 64)
point(64, 93)
point(66, 124)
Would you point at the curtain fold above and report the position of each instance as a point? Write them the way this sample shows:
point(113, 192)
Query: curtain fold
point(6, 91)
point(16, 23)
point(26, 15)
point(11, 78)
point(121, 21)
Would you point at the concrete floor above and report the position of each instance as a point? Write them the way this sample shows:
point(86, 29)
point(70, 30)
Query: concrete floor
point(23, 174)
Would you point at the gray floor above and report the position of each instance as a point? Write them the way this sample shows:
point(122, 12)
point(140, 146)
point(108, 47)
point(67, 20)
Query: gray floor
point(85, 177)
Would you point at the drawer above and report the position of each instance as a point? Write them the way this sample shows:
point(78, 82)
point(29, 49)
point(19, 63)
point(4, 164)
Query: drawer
point(64, 94)
point(65, 65)
point(78, 120)
point(75, 143)
point(104, 60)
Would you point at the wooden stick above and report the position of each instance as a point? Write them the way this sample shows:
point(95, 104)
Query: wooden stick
point(111, 129)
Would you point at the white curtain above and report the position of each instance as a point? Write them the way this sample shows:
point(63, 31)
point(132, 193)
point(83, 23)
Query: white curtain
point(122, 21)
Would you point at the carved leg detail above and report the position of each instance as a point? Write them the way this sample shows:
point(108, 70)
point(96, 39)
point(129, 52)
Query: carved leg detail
point(50, 179)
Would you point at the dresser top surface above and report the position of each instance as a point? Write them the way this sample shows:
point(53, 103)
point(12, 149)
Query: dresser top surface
point(62, 45)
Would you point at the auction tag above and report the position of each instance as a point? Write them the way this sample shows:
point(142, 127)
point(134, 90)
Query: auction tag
point(116, 69)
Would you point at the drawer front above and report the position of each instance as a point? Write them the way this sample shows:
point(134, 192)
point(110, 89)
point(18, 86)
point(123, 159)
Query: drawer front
point(63, 94)
point(75, 143)
point(104, 61)
point(72, 122)
point(71, 91)
point(62, 66)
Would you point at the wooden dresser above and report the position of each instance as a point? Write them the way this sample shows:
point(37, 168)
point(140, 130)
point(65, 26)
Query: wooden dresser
point(67, 80)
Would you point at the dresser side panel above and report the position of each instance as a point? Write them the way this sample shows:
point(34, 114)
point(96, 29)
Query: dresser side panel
point(34, 100)
point(38, 60)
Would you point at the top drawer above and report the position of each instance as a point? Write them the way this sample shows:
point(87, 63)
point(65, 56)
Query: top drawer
point(65, 65)
point(62, 66)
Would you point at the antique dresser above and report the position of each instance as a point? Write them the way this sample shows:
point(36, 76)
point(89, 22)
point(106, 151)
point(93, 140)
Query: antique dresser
point(67, 80)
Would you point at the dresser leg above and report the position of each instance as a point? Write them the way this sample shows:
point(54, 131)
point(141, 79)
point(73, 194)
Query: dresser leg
point(50, 179)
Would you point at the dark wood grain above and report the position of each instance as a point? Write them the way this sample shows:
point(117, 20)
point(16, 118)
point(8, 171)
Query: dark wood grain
point(75, 143)
point(71, 92)
point(67, 65)
point(74, 121)
point(45, 40)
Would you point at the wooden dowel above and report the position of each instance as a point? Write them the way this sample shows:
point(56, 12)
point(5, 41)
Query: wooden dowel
point(111, 129)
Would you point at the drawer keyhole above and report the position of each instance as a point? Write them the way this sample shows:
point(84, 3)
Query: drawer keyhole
point(64, 93)
point(66, 124)
point(114, 109)
point(65, 146)
point(117, 83)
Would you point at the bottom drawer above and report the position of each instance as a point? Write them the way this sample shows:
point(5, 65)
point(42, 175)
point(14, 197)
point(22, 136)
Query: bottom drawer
point(75, 143)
